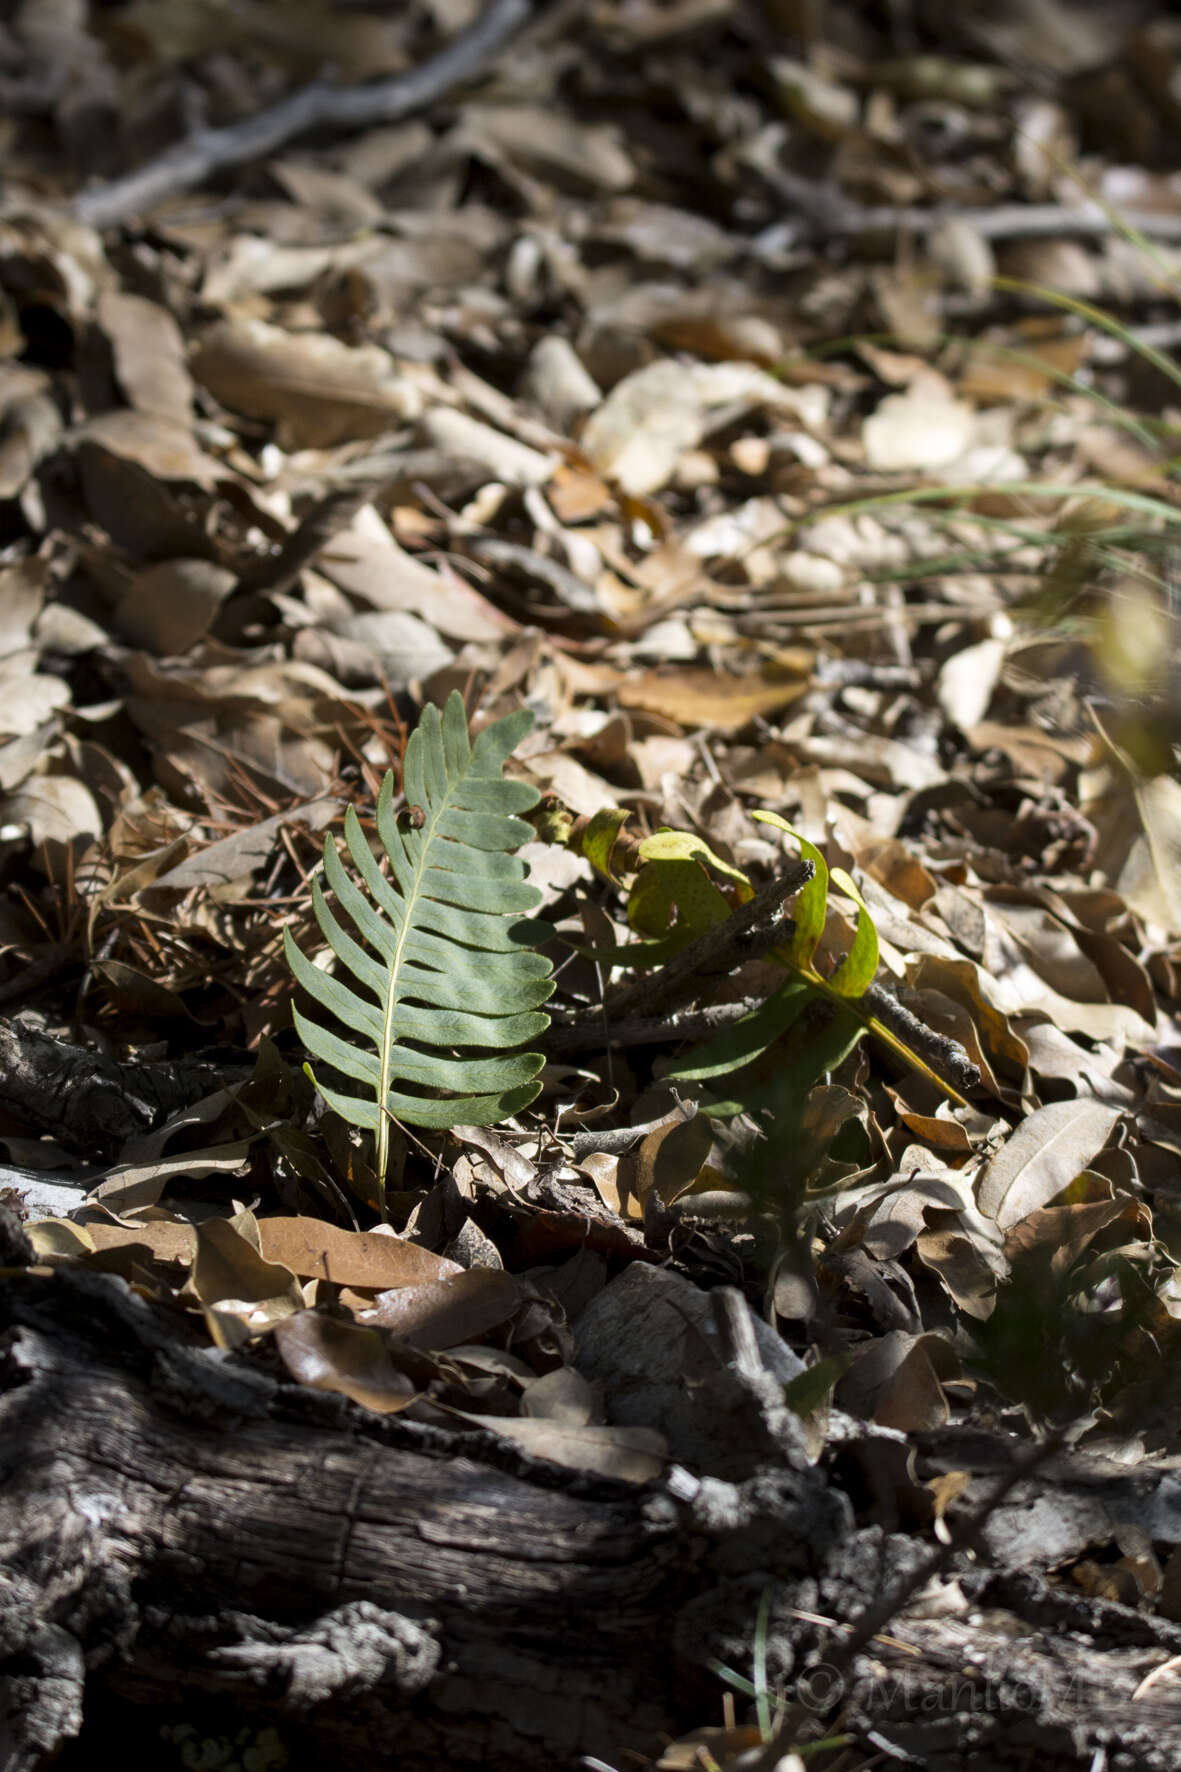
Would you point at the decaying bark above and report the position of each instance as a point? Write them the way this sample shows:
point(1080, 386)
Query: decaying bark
point(91, 1102)
point(174, 1524)
point(181, 1526)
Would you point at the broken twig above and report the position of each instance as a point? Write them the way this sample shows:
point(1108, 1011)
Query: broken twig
point(317, 106)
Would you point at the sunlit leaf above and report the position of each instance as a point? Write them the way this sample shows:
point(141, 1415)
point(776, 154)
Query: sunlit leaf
point(811, 906)
point(446, 963)
point(600, 836)
point(855, 972)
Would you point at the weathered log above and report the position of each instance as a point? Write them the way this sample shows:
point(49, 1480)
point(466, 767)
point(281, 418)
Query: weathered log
point(176, 1525)
point(182, 1527)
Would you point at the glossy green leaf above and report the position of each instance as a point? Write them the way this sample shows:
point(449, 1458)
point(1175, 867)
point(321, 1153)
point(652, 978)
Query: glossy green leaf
point(675, 888)
point(670, 845)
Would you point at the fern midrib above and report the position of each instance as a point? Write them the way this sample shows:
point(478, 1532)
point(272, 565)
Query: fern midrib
point(391, 998)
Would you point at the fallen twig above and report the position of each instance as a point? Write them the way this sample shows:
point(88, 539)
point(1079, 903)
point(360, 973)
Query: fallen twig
point(316, 106)
point(754, 929)
point(648, 1030)
point(821, 209)
point(643, 1012)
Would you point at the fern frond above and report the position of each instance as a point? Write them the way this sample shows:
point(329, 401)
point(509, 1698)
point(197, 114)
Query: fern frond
point(446, 984)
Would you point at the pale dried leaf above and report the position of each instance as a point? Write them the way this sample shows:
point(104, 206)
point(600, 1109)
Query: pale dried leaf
point(1044, 1155)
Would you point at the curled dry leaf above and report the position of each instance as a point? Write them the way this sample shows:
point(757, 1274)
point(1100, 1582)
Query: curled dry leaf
point(329, 1355)
point(135, 1186)
point(242, 1293)
point(454, 1308)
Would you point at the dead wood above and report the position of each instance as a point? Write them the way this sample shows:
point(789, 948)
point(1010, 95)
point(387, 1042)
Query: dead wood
point(91, 1102)
point(820, 209)
point(176, 1523)
point(645, 1009)
point(180, 1527)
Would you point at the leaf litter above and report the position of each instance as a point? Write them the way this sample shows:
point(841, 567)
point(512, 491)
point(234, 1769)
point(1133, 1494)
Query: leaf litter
point(638, 428)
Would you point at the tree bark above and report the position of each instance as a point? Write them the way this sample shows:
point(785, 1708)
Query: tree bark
point(181, 1527)
point(175, 1524)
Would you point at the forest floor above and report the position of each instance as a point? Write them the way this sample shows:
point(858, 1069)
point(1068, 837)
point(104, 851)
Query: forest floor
point(781, 405)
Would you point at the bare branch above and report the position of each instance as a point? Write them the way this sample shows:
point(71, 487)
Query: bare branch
point(821, 209)
point(191, 160)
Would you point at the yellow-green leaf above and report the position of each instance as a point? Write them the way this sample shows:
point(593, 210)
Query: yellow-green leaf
point(599, 839)
point(852, 977)
point(662, 888)
point(811, 906)
point(668, 845)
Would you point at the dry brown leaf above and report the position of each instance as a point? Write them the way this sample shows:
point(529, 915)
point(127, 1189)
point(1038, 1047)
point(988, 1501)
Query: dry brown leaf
point(967, 681)
point(149, 353)
point(134, 1187)
point(371, 1260)
point(913, 1398)
point(671, 1158)
point(22, 594)
point(896, 1381)
point(161, 446)
point(168, 607)
point(27, 698)
point(1043, 1156)
point(562, 1395)
point(367, 562)
point(648, 421)
point(707, 698)
point(585, 155)
point(1150, 880)
point(165, 1238)
point(969, 1277)
point(318, 390)
point(329, 1355)
point(1060, 1234)
point(230, 858)
point(58, 809)
point(242, 1293)
point(505, 460)
point(60, 1239)
point(30, 429)
point(444, 1312)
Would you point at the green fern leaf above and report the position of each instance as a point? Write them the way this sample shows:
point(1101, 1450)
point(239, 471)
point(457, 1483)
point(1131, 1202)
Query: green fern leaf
point(446, 985)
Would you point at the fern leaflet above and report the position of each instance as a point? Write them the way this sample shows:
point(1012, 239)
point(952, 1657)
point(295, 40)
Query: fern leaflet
point(446, 963)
